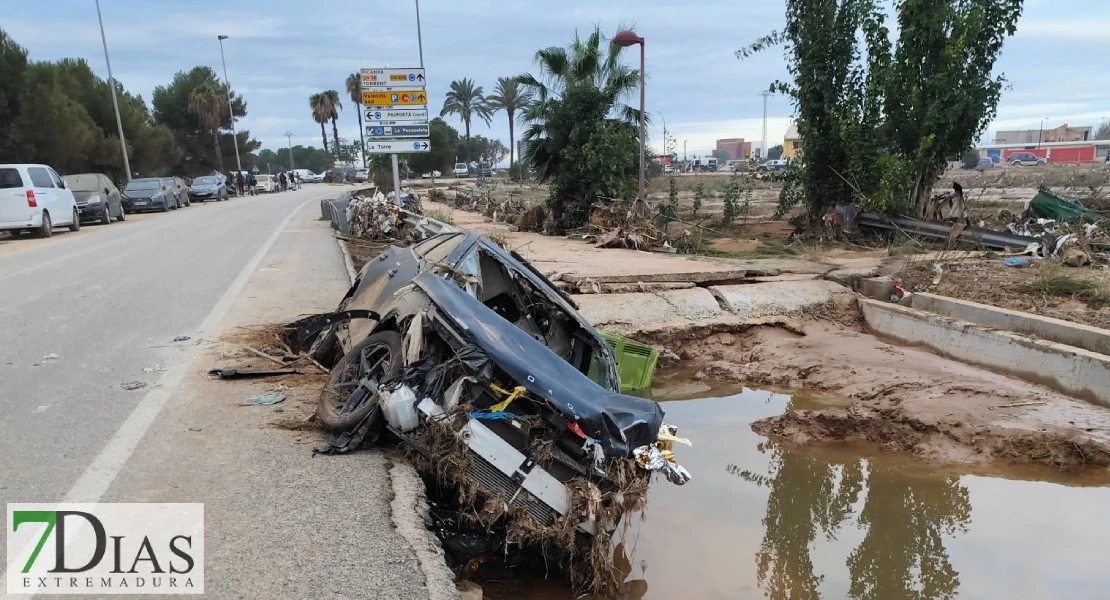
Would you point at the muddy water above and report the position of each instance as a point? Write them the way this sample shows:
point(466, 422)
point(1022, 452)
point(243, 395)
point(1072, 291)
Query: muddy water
point(760, 520)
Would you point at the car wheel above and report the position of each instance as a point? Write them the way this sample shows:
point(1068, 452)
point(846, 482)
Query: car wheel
point(122, 214)
point(107, 217)
point(165, 207)
point(47, 228)
point(188, 202)
point(351, 395)
point(76, 224)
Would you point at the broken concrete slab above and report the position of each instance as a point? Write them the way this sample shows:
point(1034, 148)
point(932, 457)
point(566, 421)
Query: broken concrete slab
point(777, 298)
point(879, 288)
point(850, 278)
point(1074, 371)
point(695, 277)
point(783, 277)
point(644, 311)
point(774, 266)
point(625, 288)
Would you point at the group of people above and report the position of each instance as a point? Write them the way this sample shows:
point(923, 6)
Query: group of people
point(248, 184)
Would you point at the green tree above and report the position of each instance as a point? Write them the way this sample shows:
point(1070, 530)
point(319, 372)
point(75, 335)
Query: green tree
point(467, 101)
point(879, 117)
point(13, 65)
point(171, 108)
point(304, 157)
point(208, 104)
point(354, 91)
point(1101, 133)
point(321, 112)
point(444, 141)
point(509, 97)
point(577, 111)
point(483, 149)
point(774, 152)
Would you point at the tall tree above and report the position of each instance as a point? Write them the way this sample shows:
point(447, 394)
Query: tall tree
point(334, 106)
point(466, 100)
point(209, 104)
point(320, 113)
point(509, 97)
point(354, 90)
point(171, 108)
point(879, 115)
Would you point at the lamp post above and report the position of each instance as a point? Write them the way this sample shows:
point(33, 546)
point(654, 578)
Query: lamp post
point(289, 137)
point(624, 39)
point(115, 103)
point(230, 110)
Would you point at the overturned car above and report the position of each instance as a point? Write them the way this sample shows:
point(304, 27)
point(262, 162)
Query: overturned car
point(497, 385)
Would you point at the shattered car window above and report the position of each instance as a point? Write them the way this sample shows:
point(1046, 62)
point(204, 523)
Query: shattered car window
point(436, 249)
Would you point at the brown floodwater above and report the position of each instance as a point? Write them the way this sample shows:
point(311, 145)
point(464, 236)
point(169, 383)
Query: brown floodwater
point(761, 520)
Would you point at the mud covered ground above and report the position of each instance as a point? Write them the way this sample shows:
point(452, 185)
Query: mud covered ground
point(903, 399)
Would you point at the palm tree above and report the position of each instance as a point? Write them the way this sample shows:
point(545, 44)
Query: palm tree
point(320, 113)
point(466, 101)
point(354, 89)
point(334, 106)
point(582, 64)
point(508, 96)
point(209, 104)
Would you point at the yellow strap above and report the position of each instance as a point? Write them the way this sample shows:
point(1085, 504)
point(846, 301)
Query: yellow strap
point(517, 392)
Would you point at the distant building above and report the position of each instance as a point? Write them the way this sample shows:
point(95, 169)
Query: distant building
point(736, 148)
point(1062, 133)
point(791, 143)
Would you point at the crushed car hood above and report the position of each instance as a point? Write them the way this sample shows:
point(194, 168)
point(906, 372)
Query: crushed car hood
point(618, 422)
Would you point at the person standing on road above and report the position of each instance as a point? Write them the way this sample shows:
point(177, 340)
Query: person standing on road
point(281, 180)
point(251, 183)
point(239, 183)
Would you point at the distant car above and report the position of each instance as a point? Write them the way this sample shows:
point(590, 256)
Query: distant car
point(431, 174)
point(485, 170)
point(308, 176)
point(176, 187)
point(668, 168)
point(1026, 159)
point(461, 170)
point(151, 193)
point(209, 187)
point(985, 163)
point(34, 198)
point(362, 175)
point(265, 184)
point(726, 168)
point(98, 199)
point(773, 166)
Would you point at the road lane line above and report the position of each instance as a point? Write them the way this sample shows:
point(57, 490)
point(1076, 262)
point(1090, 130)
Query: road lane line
point(104, 469)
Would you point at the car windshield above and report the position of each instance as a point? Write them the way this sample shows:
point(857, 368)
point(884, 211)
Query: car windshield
point(206, 181)
point(460, 166)
point(87, 182)
point(263, 178)
point(140, 185)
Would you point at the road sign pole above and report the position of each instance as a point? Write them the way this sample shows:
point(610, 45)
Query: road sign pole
point(396, 180)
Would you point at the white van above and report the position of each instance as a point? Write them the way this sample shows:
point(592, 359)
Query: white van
point(33, 198)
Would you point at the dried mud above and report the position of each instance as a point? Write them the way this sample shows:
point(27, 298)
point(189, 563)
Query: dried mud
point(857, 388)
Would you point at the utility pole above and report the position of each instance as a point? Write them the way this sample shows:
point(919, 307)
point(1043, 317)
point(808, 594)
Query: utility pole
point(230, 110)
point(289, 137)
point(763, 144)
point(115, 103)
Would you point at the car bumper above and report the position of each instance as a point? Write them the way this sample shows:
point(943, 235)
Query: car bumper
point(91, 212)
point(141, 205)
point(202, 196)
point(35, 220)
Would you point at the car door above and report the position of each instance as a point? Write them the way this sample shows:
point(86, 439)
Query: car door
point(64, 200)
point(45, 195)
point(112, 196)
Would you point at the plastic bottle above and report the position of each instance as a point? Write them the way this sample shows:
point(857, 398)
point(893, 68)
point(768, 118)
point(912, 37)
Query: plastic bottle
point(400, 408)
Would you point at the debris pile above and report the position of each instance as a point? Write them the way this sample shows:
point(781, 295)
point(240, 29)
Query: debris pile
point(373, 217)
point(500, 211)
point(621, 225)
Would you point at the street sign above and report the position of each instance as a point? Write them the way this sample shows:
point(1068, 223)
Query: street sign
point(376, 114)
point(397, 146)
point(376, 79)
point(395, 98)
point(417, 130)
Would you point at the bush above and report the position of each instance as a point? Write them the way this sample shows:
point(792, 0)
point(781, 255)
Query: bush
point(970, 159)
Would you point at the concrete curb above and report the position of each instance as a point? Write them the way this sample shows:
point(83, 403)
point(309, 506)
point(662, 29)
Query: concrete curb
point(1073, 371)
point(348, 261)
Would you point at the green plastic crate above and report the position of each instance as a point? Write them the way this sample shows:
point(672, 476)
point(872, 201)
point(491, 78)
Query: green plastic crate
point(635, 362)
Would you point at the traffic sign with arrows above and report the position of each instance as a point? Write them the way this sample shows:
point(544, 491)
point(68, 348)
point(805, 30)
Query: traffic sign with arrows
point(376, 79)
point(397, 146)
point(395, 98)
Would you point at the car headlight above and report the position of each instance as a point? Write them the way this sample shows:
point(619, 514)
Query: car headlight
point(95, 200)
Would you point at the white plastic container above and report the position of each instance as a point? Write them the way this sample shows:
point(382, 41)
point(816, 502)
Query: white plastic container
point(400, 408)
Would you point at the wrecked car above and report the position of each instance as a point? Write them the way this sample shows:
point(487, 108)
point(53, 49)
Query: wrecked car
point(479, 365)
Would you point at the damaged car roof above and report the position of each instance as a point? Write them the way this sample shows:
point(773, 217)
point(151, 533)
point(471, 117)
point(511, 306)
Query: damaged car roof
point(618, 422)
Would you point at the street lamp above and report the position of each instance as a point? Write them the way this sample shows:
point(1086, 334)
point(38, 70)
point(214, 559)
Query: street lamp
point(230, 110)
point(115, 103)
point(624, 39)
point(289, 137)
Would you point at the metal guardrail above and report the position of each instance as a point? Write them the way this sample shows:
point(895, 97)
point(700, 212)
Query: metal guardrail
point(934, 229)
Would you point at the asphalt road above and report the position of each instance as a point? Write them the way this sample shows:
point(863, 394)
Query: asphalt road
point(107, 302)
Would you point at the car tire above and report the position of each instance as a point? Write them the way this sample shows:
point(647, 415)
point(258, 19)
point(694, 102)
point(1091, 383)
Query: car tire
point(107, 218)
point(46, 229)
point(381, 355)
point(76, 224)
point(122, 215)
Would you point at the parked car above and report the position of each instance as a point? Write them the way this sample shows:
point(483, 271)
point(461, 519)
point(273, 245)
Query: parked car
point(362, 175)
point(985, 163)
point(427, 175)
point(461, 170)
point(176, 186)
point(1026, 159)
point(485, 169)
point(150, 193)
point(307, 176)
point(772, 166)
point(472, 330)
point(265, 184)
point(33, 198)
point(98, 199)
point(727, 168)
point(209, 187)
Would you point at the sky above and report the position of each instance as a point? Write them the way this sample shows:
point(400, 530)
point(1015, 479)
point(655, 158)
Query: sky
point(281, 51)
